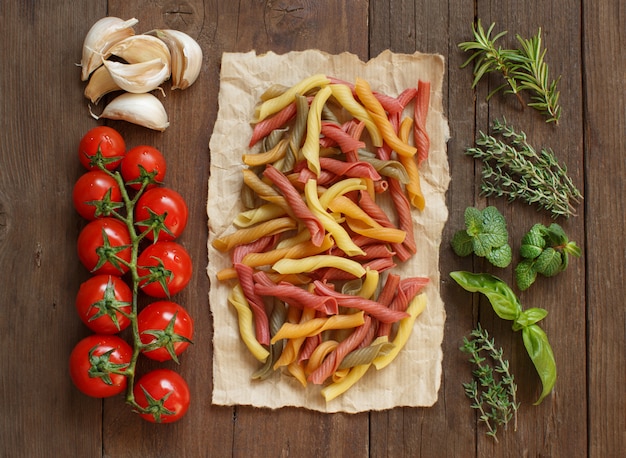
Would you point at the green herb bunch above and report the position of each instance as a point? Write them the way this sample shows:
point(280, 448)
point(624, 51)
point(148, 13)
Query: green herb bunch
point(523, 69)
point(514, 169)
point(546, 251)
point(493, 389)
point(485, 235)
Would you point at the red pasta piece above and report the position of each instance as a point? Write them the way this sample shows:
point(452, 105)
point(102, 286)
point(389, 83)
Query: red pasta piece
point(407, 290)
point(294, 295)
point(406, 96)
point(310, 344)
point(261, 321)
point(340, 137)
point(358, 169)
point(263, 128)
point(332, 361)
point(373, 308)
point(422, 140)
point(298, 206)
point(258, 246)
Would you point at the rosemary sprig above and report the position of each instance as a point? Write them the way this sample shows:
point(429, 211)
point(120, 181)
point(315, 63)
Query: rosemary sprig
point(514, 169)
point(493, 389)
point(522, 69)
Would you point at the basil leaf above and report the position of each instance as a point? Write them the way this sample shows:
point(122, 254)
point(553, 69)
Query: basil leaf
point(529, 317)
point(540, 352)
point(500, 295)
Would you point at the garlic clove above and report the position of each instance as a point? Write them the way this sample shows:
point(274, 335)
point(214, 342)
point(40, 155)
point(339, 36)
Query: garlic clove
point(186, 56)
point(141, 109)
point(141, 48)
point(140, 77)
point(100, 84)
point(103, 35)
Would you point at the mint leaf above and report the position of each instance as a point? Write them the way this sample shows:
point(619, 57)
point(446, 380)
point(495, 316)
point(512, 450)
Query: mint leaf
point(473, 221)
point(462, 243)
point(501, 256)
point(525, 274)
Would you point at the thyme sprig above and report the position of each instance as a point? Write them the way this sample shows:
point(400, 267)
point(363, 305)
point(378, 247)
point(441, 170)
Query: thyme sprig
point(493, 389)
point(514, 169)
point(523, 69)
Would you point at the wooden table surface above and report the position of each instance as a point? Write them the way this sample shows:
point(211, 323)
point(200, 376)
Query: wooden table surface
point(44, 114)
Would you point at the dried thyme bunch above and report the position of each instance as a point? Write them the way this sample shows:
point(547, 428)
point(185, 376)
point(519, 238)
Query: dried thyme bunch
point(523, 68)
point(514, 169)
point(493, 389)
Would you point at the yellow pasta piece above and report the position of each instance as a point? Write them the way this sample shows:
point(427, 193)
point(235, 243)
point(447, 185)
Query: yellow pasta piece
point(246, 323)
point(228, 273)
point(311, 263)
point(335, 389)
point(298, 251)
point(340, 188)
point(415, 308)
point(300, 237)
point(292, 346)
point(384, 234)
point(297, 371)
point(311, 147)
point(361, 223)
point(413, 187)
point(342, 238)
point(258, 215)
point(316, 326)
point(250, 234)
point(343, 95)
point(380, 118)
point(318, 355)
point(339, 374)
point(268, 157)
point(279, 102)
point(370, 284)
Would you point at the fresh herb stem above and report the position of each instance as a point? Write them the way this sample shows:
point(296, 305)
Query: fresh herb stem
point(496, 399)
point(523, 69)
point(512, 168)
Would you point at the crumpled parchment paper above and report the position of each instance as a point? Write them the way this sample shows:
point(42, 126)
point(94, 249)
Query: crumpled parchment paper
point(414, 377)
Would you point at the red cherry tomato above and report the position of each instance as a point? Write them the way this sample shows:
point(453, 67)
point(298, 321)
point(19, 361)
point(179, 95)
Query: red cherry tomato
point(95, 194)
point(164, 393)
point(105, 141)
point(100, 301)
point(164, 264)
point(165, 210)
point(96, 363)
point(144, 157)
point(167, 328)
point(98, 255)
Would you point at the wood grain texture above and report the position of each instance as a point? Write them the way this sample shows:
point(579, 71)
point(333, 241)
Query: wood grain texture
point(44, 114)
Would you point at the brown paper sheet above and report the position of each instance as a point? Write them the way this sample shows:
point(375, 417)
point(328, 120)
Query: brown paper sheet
point(413, 379)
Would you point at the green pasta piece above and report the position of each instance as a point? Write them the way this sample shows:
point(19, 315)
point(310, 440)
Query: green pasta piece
point(390, 169)
point(365, 355)
point(277, 318)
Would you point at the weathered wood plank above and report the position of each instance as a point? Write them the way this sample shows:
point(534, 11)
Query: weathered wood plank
point(605, 168)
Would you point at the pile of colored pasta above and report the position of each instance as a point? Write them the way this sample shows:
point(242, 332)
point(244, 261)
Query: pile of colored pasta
point(312, 256)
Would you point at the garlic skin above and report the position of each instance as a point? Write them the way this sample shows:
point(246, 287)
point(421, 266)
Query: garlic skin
point(141, 109)
point(140, 77)
point(100, 84)
point(141, 48)
point(186, 56)
point(105, 33)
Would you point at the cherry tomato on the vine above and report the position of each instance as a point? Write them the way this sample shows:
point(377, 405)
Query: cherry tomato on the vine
point(101, 245)
point(96, 194)
point(165, 269)
point(105, 141)
point(100, 302)
point(167, 328)
point(165, 395)
point(97, 364)
point(144, 157)
point(164, 210)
